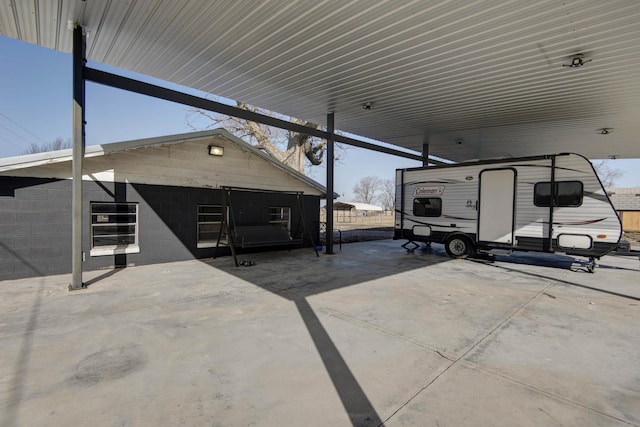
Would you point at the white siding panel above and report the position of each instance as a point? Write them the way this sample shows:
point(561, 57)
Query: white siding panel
point(594, 218)
point(183, 164)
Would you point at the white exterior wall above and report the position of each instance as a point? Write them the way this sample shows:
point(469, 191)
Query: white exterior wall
point(592, 217)
point(457, 190)
point(186, 164)
point(531, 220)
point(595, 217)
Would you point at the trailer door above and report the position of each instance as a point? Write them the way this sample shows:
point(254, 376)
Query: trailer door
point(497, 206)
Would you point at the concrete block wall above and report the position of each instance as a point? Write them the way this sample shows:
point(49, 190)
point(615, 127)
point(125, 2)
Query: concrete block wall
point(35, 227)
point(35, 223)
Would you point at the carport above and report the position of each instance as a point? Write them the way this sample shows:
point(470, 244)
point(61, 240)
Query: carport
point(439, 80)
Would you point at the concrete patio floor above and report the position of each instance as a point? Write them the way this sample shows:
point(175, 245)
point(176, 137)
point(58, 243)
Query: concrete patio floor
point(370, 336)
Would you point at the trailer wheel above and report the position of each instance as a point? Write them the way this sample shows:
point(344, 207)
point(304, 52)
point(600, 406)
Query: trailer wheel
point(458, 247)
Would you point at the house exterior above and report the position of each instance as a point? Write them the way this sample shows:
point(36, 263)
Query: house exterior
point(626, 201)
point(144, 201)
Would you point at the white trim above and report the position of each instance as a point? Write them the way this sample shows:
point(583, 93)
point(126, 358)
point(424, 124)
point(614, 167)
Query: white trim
point(201, 245)
point(103, 250)
point(38, 159)
point(113, 249)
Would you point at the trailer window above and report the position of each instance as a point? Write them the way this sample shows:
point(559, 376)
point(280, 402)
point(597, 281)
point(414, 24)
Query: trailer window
point(568, 194)
point(427, 206)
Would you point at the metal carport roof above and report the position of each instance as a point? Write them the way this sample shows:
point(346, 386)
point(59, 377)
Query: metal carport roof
point(473, 79)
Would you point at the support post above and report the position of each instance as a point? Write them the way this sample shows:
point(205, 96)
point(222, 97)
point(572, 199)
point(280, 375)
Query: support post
point(77, 157)
point(425, 154)
point(330, 161)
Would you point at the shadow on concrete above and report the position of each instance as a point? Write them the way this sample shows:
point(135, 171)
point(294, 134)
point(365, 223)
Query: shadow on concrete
point(21, 369)
point(531, 258)
point(542, 259)
point(103, 276)
point(519, 257)
point(566, 282)
point(360, 410)
point(280, 273)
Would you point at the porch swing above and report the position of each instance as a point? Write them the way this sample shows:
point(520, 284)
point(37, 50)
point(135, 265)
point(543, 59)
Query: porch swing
point(253, 234)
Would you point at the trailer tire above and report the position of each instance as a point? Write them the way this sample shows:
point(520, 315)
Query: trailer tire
point(458, 246)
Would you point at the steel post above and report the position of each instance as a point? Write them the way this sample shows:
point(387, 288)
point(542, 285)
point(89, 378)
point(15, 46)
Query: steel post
point(425, 154)
point(330, 162)
point(78, 154)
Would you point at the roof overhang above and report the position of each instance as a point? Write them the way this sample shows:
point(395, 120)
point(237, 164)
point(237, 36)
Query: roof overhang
point(9, 164)
point(471, 79)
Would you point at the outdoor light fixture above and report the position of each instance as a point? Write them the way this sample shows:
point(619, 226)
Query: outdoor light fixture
point(214, 150)
point(367, 106)
point(605, 131)
point(577, 61)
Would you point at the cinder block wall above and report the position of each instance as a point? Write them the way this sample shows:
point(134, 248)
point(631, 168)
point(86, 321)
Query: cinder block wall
point(35, 222)
point(35, 227)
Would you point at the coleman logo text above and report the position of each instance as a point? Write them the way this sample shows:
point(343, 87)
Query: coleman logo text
point(432, 191)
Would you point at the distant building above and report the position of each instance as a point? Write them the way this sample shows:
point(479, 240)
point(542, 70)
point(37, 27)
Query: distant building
point(627, 203)
point(145, 201)
point(352, 211)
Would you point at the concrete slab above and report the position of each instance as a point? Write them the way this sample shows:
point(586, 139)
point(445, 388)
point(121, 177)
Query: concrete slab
point(369, 336)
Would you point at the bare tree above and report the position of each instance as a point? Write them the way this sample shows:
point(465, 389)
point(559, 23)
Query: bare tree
point(291, 148)
point(55, 145)
point(387, 197)
point(607, 174)
point(366, 190)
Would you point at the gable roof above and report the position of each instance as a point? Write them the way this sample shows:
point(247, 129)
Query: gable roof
point(38, 159)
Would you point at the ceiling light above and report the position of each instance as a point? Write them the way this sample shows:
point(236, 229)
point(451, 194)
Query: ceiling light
point(605, 131)
point(577, 61)
point(367, 106)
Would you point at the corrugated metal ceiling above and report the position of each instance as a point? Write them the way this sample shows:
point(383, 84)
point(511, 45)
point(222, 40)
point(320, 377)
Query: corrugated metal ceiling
point(484, 73)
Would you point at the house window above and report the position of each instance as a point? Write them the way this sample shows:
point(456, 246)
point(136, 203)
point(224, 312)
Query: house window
point(280, 216)
point(568, 194)
point(209, 223)
point(427, 206)
point(114, 228)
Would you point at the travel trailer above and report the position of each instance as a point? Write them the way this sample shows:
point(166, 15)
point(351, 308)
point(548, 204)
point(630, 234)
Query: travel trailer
point(551, 203)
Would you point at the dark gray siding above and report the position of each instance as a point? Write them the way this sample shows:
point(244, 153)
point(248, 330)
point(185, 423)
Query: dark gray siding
point(35, 222)
point(35, 227)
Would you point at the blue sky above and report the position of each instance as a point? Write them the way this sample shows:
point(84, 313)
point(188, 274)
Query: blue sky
point(35, 107)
